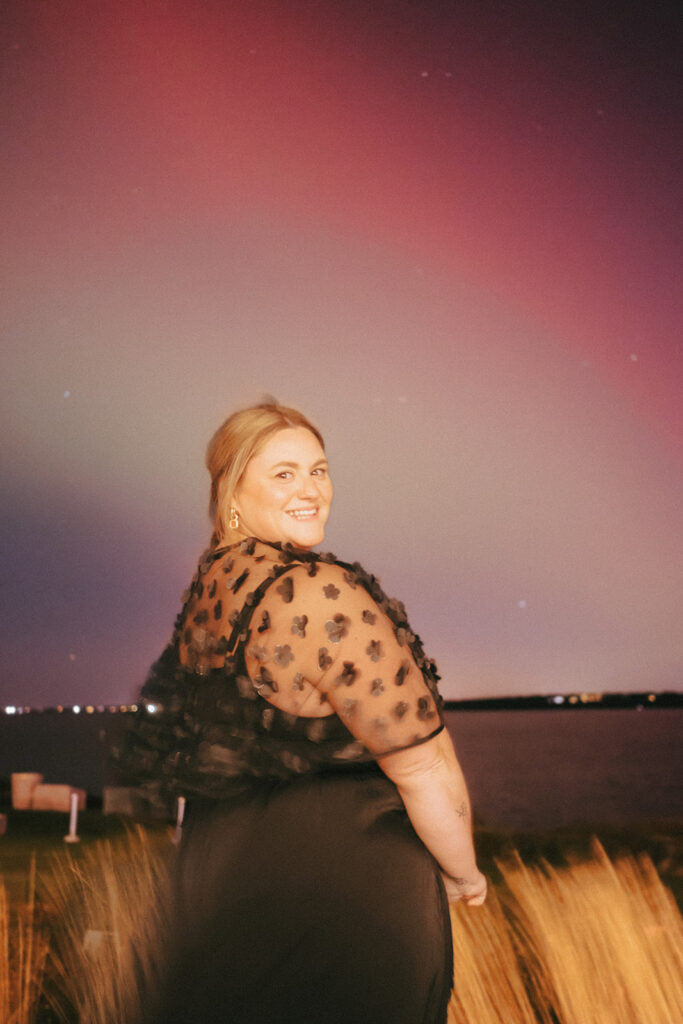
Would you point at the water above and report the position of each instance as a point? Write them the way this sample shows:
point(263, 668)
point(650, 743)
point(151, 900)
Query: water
point(525, 769)
point(540, 769)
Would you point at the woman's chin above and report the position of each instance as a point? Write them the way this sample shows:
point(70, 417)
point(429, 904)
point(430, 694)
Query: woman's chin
point(306, 535)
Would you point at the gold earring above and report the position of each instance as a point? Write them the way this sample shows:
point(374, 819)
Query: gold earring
point(234, 519)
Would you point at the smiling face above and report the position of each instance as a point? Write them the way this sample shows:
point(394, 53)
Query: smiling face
point(285, 492)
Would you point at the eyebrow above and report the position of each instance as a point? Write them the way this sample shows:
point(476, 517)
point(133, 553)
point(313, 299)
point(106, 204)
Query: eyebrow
point(295, 465)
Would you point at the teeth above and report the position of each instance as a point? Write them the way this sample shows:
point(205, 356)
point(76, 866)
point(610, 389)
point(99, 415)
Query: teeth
point(302, 513)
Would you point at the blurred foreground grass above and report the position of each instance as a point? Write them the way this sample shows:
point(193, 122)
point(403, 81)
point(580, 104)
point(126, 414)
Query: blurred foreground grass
point(575, 931)
point(41, 833)
point(661, 841)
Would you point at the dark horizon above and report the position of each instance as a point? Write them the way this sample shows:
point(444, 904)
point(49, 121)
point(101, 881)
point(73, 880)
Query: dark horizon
point(552, 702)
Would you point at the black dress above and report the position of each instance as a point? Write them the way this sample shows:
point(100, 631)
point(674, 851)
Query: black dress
point(303, 894)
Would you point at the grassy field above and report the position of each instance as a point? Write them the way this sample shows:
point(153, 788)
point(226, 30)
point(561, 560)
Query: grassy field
point(575, 931)
point(661, 841)
point(41, 833)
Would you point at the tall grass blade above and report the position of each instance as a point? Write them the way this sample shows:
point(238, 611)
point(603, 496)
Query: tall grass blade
point(112, 909)
point(23, 952)
point(488, 984)
point(609, 937)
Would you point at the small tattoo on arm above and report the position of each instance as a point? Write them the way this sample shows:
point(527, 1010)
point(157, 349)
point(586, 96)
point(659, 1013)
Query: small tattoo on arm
point(461, 811)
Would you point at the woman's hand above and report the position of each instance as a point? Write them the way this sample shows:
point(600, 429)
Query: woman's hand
point(471, 891)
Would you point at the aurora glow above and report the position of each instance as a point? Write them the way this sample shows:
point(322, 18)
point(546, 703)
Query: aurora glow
point(449, 233)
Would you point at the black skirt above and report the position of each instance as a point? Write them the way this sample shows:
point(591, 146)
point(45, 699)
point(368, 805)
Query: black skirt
point(307, 902)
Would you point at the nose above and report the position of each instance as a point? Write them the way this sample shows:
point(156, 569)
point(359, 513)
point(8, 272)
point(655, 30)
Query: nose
point(307, 488)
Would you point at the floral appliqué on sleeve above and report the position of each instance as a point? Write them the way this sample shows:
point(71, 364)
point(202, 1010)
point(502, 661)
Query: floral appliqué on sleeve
point(283, 655)
point(324, 659)
point(299, 625)
point(286, 589)
point(337, 628)
point(375, 650)
point(348, 675)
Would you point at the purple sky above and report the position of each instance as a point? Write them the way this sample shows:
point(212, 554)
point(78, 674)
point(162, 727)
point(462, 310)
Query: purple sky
point(449, 232)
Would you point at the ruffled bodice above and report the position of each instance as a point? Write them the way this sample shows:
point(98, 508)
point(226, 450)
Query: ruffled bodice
point(282, 662)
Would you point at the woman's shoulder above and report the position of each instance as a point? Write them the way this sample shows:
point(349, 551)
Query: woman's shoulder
point(304, 590)
point(268, 561)
point(327, 586)
point(335, 579)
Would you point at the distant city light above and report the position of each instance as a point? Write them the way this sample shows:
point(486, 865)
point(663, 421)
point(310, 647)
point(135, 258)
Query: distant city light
point(636, 701)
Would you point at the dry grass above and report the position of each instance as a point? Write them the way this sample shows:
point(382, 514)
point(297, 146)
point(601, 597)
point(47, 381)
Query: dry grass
point(23, 951)
point(491, 984)
point(112, 910)
point(595, 942)
point(609, 937)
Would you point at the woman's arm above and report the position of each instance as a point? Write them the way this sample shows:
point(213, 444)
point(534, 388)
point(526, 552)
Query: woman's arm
point(431, 784)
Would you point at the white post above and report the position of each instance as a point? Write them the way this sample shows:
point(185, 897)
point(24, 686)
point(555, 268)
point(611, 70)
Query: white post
point(179, 820)
point(73, 820)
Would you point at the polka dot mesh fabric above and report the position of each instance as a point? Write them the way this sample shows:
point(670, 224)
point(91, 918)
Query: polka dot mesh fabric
point(282, 662)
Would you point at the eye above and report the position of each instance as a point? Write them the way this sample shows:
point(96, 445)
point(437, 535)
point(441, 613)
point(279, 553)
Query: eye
point(320, 471)
point(284, 474)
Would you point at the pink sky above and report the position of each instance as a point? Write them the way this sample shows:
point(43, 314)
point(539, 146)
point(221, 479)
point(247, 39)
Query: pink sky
point(452, 239)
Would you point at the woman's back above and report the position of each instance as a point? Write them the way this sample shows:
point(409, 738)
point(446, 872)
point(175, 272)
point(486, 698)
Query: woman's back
point(282, 663)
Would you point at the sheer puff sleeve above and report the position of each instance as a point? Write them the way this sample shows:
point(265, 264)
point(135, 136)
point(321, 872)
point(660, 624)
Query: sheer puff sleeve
point(325, 639)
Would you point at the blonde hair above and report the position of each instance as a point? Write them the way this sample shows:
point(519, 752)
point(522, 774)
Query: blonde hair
point(232, 446)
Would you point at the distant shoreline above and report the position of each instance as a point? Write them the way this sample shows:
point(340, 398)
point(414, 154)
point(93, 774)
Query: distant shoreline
point(538, 702)
point(572, 701)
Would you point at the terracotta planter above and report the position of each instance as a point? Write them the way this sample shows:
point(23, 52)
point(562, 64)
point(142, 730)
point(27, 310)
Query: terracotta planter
point(23, 784)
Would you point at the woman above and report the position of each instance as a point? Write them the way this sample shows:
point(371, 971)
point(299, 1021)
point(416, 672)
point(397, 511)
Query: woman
point(294, 708)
